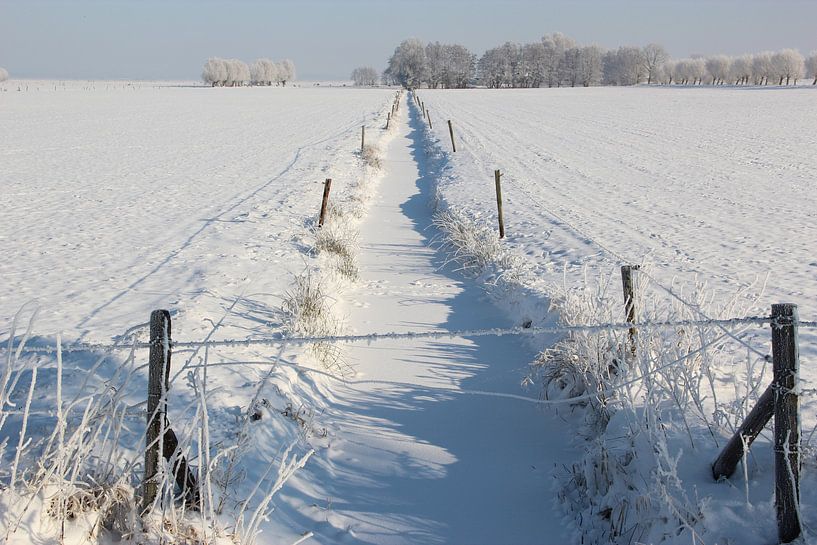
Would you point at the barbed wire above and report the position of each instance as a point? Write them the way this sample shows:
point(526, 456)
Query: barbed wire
point(409, 335)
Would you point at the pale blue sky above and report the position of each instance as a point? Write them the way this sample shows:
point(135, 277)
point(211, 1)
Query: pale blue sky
point(327, 39)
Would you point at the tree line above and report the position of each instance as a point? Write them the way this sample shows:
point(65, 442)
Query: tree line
point(557, 61)
point(235, 73)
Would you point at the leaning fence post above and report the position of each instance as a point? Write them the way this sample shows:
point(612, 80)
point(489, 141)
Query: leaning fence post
point(785, 363)
point(362, 137)
point(388, 118)
point(497, 176)
point(158, 371)
point(428, 116)
point(423, 107)
point(629, 302)
point(727, 461)
point(451, 132)
point(325, 201)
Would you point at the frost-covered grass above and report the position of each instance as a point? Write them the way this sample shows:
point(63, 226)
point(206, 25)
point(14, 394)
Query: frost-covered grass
point(683, 203)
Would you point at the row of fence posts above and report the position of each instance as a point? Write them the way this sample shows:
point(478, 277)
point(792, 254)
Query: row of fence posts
point(780, 399)
point(497, 173)
point(327, 184)
point(160, 439)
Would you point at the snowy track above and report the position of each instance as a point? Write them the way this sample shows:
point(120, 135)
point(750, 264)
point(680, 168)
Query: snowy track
point(409, 463)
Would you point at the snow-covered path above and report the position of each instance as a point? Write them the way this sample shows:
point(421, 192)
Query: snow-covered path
point(414, 461)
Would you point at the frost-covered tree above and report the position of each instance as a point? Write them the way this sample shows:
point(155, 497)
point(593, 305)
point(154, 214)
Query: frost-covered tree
point(623, 66)
point(717, 66)
point(762, 67)
point(263, 72)
point(285, 72)
point(741, 70)
point(589, 65)
point(494, 68)
point(811, 67)
point(215, 72)
point(653, 57)
point(4, 75)
point(555, 46)
point(407, 65)
point(789, 65)
point(435, 64)
point(364, 76)
point(460, 67)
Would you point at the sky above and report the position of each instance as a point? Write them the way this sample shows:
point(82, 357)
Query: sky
point(150, 39)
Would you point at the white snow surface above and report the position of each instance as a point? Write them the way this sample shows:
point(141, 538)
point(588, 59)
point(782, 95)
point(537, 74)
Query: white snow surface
point(711, 189)
point(122, 198)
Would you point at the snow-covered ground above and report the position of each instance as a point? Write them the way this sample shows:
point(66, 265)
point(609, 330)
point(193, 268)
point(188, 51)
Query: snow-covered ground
point(120, 198)
point(712, 190)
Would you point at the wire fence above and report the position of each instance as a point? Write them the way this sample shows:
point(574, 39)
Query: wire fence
point(275, 341)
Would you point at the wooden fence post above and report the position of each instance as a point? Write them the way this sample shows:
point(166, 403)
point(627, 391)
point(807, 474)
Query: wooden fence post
point(362, 137)
point(497, 176)
point(423, 107)
point(451, 132)
point(158, 371)
point(388, 118)
point(727, 461)
point(428, 116)
point(325, 202)
point(629, 301)
point(785, 363)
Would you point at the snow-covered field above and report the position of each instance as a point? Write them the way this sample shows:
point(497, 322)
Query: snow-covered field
point(118, 199)
point(713, 191)
point(122, 198)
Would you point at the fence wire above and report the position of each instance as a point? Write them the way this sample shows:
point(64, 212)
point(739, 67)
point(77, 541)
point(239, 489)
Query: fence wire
point(410, 335)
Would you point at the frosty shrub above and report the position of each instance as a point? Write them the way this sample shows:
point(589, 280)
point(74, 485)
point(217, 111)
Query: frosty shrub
point(371, 156)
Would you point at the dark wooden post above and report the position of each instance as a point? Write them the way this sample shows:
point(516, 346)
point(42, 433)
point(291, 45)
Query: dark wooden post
point(362, 137)
point(325, 202)
point(423, 107)
point(388, 118)
point(497, 176)
point(785, 363)
point(428, 116)
point(158, 372)
point(451, 132)
point(629, 301)
point(727, 461)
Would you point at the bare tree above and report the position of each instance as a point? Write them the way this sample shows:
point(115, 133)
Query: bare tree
point(653, 56)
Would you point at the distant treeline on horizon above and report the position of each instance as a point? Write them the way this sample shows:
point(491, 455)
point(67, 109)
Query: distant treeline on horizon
point(557, 61)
